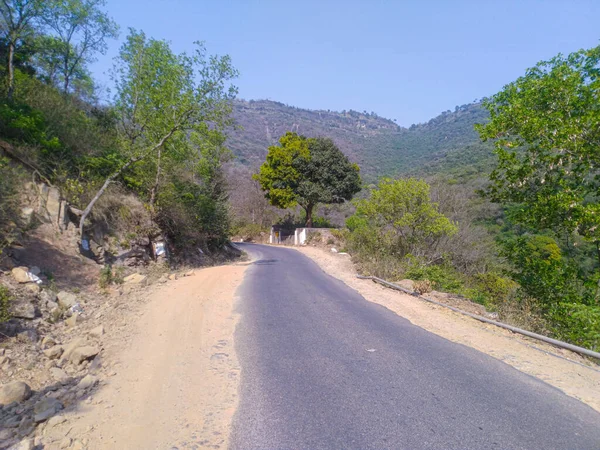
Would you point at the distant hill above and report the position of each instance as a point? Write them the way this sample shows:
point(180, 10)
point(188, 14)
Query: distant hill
point(447, 143)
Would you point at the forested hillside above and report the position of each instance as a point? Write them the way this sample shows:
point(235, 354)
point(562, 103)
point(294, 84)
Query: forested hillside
point(447, 143)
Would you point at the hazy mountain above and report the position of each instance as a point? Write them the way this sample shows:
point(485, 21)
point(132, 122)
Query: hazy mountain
point(447, 143)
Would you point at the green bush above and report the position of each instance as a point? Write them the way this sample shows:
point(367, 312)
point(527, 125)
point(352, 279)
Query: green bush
point(9, 205)
point(443, 276)
point(248, 231)
point(109, 276)
point(543, 273)
point(577, 323)
point(5, 299)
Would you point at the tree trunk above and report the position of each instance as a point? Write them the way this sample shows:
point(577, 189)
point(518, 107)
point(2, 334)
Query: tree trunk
point(66, 73)
point(154, 189)
point(11, 70)
point(309, 211)
point(109, 180)
point(91, 204)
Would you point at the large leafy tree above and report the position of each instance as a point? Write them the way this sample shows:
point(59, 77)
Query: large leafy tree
point(546, 131)
point(306, 172)
point(81, 30)
point(17, 23)
point(165, 103)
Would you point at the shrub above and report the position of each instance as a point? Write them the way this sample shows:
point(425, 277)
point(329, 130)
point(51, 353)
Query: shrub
point(5, 299)
point(314, 237)
point(8, 201)
point(248, 231)
point(423, 286)
point(577, 323)
point(109, 276)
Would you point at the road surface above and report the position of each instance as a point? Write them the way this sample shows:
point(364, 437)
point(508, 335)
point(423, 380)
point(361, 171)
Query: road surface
point(322, 368)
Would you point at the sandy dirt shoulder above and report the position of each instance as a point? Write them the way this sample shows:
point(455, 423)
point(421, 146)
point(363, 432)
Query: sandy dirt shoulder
point(174, 370)
point(578, 379)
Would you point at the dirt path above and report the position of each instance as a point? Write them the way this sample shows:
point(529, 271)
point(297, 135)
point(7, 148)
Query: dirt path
point(581, 381)
point(176, 379)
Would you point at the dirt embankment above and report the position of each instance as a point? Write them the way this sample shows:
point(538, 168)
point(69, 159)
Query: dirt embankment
point(174, 370)
point(579, 379)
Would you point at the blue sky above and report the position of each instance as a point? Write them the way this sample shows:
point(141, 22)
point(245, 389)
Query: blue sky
point(405, 60)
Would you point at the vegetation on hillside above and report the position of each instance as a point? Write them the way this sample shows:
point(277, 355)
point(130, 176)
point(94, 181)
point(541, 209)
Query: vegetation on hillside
point(377, 145)
point(159, 142)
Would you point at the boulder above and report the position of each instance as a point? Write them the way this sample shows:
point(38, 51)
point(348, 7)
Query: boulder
point(173, 276)
point(46, 408)
point(15, 391)
point(189, 273)
point(54, 352)
point(66, 299)
point(136, 278)
point(23, 310)
point(96, 332)
point(81, 354)
point(20, 274)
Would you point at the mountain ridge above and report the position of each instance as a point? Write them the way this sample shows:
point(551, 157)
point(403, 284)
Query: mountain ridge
point(379, 145)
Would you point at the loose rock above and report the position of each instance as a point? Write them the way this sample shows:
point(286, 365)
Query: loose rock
point(66, 299)
point(54, 352)
point(81, 354)
point(87, 382)
point(46, 408)
point(97, 332)
point(27, 336)
point(16, 391)
point(58, 374)
point(135, 278)
point(23, 310)
point(20, 274)
point(73, 320)
point(34, 288)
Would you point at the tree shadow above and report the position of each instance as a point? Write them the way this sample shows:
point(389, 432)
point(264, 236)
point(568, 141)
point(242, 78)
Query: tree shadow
point(265, 262)
point(66, 270)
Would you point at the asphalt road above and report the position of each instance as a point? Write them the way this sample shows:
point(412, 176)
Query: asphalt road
point(324, 368)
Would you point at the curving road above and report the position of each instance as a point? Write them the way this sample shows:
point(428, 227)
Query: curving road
point(322, 368)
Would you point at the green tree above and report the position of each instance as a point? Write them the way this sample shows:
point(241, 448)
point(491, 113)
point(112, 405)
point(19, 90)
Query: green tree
point(81, 29)
point(401, 213)
point(545, 128)
point(163, 101)
point(17, 19)
point(307, 172)
point(49, 66)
